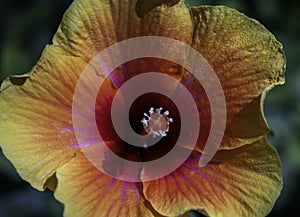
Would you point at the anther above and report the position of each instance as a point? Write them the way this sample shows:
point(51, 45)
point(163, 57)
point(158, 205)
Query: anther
point(157, 123)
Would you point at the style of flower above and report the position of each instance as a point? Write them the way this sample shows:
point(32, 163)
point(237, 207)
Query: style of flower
point(37, 135)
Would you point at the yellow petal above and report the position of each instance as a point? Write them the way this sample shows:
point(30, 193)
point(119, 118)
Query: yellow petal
point(89, 26)
point(144, 6)
point(247, 59)
point(36, 116)
point(85, 191)
point(247, 126)
point(242, 182)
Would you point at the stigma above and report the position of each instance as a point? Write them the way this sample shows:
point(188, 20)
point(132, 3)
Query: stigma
point(156, 122)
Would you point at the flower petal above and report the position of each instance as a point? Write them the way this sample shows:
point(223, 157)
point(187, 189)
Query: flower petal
point(144, 6)
point(85, 191)
point(247, 59)
point(240, 182)
point(247, 126)
point(36, 116)
point(89, 26)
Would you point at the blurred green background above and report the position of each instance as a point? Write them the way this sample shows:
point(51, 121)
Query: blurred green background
point(27, 26)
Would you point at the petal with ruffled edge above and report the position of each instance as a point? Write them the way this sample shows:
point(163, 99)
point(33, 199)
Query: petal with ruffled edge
point(85, 191)
point(241, 130)
point(247, 59)
point(36, 116)
point(89, 26)
point(242, 182)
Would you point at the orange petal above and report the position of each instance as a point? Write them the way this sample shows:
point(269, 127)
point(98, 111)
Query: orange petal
point(89, 26)
point(36, 116)
point(247, 126)
point(85, 191)
point(247, 59)
point(240, 125)
point(242, 182)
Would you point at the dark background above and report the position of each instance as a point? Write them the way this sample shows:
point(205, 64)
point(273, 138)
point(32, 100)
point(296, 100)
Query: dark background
point(27, 26)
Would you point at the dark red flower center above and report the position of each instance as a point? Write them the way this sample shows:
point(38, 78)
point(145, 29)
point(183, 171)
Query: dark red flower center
point(151, 114)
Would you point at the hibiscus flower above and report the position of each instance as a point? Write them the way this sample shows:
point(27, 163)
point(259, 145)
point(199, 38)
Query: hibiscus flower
point(37, 113)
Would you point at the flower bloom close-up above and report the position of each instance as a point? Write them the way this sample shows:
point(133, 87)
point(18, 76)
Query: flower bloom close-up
point(164, 69)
